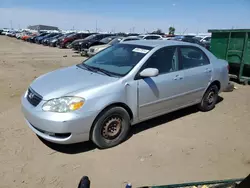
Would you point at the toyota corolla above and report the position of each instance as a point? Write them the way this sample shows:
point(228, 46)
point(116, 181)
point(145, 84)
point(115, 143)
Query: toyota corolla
point(123, 85)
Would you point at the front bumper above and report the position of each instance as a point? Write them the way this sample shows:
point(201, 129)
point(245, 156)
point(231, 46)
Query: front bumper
point(61, 128)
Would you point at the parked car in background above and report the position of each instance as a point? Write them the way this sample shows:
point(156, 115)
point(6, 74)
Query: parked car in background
point(65, 43)
point(150, 37)
point(46, 41)
point(121, 86)
point(39, 39)
point(32, 39)
point(190, 39)
point(95, 49)
point(28, 35)
point(203, 38)
point(53, 42)
point(76, 44)
point(60, 39)
point(92, 39)
point(206, 41)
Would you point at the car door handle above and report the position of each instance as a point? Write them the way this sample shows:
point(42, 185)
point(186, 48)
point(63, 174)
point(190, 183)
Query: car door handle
point(178, 77)
point(208, 70)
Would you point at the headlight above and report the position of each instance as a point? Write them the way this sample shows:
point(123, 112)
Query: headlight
point(80, 43)
point(63, 104)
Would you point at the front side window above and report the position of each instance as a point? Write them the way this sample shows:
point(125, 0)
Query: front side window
point(117, 60)
point(164, 59)
point(191, 57)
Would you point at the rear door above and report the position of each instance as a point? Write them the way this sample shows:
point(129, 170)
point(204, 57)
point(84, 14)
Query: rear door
point(197, 72)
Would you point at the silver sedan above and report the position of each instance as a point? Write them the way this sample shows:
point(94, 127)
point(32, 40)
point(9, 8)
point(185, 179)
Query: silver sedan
point(121, 86)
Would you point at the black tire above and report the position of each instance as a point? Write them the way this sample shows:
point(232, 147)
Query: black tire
point(209, 99)
point(103, 133)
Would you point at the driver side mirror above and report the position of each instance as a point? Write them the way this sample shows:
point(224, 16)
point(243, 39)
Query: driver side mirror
point(149, 72)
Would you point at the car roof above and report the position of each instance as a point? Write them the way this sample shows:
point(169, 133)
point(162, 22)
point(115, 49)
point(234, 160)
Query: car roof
point(156, 43)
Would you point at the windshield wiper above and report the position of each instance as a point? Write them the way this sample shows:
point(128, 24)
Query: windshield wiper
point(87, 67)
point(102, 70)
point(97, 69)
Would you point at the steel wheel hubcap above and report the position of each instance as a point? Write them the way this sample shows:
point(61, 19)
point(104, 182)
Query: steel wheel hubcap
point(210, 97)
point(112, 127)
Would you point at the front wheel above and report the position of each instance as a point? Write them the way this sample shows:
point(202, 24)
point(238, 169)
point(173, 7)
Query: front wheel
point(111, 128)
point(209, 99)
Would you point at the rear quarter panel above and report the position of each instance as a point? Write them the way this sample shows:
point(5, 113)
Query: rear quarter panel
point(220, 69)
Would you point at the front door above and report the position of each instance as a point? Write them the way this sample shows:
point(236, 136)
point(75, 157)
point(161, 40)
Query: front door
point(160, 94)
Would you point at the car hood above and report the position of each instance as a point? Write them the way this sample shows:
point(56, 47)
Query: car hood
point(64, 81)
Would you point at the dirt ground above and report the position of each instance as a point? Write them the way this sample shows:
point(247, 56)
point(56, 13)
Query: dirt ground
point(183, 146)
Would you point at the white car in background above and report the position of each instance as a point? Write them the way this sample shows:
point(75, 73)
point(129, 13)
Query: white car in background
point(95, 49)
point(203, 38)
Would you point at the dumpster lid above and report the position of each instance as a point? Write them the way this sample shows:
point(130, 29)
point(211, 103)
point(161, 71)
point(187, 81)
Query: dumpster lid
point(227, 30)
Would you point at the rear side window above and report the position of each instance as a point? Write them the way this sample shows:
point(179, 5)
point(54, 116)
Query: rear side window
point(191, 57)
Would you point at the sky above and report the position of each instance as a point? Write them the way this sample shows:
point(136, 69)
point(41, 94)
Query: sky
point(128, 15)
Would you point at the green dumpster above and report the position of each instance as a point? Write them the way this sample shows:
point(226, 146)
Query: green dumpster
point(233, 46)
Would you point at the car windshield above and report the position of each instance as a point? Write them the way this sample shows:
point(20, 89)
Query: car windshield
point(115, 41)
point(106, 40)
point(71, 35)
point(198, 38)
point(116, 60)
point(90, 37)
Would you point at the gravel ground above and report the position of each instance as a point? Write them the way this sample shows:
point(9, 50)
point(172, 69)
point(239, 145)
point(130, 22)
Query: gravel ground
point(179, 147)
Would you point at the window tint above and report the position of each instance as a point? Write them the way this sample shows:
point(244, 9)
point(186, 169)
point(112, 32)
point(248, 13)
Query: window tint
point(154, 37)
point(192, 57)
point(165, 60)
point(130, 39)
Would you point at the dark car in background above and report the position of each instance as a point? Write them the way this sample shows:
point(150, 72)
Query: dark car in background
point(65, 43)
point(47, 40)
point(41, 38)
point(105, 40)
point(32, 39)
point(89, 41)
point(52, 41)
point(56, 43)
point(189, 38)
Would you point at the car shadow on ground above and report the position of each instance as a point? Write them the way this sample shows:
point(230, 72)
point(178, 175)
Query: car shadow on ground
point(88, 146)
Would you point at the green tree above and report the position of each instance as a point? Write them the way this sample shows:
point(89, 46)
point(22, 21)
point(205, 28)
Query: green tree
point(171, 30)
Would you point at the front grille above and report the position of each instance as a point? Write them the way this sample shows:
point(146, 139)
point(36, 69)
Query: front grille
point(33, 97)
point(92, 50)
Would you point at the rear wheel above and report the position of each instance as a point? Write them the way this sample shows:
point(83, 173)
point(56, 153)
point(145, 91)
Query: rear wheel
point(209, 99)
point(111, 127)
